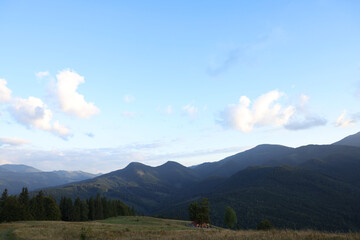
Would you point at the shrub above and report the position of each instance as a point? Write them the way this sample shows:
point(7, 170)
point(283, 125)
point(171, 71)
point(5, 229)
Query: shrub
point(265, 225)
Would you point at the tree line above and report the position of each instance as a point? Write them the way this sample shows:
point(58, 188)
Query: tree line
point(200, 213)
point(40, 207)
point(93, 209)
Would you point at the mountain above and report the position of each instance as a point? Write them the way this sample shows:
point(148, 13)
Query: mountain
point(14, 177)
point(19, 168)
point(290, 197)
point(75, 176)
point(352, 140)
point(256, 156)
point(313, 186)
point(147, 188)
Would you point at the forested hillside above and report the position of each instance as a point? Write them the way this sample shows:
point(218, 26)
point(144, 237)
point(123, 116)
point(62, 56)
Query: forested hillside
point(314, 186)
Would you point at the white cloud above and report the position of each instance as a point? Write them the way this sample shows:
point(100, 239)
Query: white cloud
point(32, 112)
point(42, 74)
point(306, 123)
point(128, 98)
point(342, 122)
point(70, 100)
point(303, 117)
point(60, 130)
point(263, 112)
point(190, 110)
point(5, 93)
point(13, 141)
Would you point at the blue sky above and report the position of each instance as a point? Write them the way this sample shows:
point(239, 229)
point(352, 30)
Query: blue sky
point(95, 85)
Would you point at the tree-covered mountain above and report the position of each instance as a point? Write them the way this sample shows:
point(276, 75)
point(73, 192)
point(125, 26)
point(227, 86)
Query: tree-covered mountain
point(14, 177)
point(314, 186)
point(256, 156)
point(147, 188)
point(290, 197)
point(352, 140)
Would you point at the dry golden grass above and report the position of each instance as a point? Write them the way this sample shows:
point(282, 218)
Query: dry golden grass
point(148, 228)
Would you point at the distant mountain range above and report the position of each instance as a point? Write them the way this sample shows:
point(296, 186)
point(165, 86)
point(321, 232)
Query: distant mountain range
point(16, 176)
point(310, 187)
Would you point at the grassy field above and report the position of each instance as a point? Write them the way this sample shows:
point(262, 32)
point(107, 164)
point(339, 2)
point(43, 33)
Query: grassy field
point(147, 228)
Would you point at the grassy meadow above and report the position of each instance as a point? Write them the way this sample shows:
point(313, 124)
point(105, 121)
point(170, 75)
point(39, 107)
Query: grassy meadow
point(146, 228)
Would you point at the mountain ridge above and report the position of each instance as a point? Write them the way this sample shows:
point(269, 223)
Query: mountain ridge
point(312, 186)
point(14, 177)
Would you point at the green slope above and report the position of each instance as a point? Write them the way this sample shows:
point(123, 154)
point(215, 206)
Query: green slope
point(147, 188)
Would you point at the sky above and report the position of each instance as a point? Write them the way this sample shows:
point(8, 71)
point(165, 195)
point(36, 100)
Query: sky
point(95, 85)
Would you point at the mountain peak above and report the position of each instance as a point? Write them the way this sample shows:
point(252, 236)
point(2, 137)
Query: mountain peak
point(352, 140)
point(171, 164)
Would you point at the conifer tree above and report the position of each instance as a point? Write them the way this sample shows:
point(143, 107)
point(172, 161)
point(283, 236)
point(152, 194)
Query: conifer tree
point(12, 210)
point(77, 210)
point(200, 213)
point(37, 207)
point(204, 211)
point(52, 211)
point(91, 204)
point(99, 214)
point(24, 201)
point(84, 211)
point(66, 209)
point(194, 211)
point(2, 202)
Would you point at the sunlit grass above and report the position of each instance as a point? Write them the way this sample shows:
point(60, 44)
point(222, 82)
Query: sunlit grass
point(148, 228)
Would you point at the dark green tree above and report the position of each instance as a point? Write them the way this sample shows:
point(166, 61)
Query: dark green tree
point(99, 213)
point(52, 210)
point(66, 209)
point(24, 201)
point(91, 204)
point(230, 218)
point(12, 210)
point(265, 225)
point(37, 206)
point(4, 195)
point(204, 211)
point(106, 208)
point(2, 202)
point(194, 212)
point(200, 213)
point(77, 210)
point(84, 211)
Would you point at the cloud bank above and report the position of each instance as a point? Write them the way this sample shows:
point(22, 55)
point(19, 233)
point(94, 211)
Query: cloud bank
point(244, 116)
point(12, 142)
point(304, 118)
point(266, 111)
point(72, 102)
point(32, 112)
